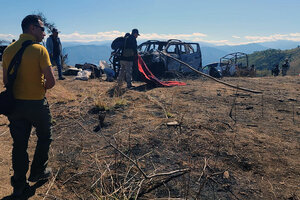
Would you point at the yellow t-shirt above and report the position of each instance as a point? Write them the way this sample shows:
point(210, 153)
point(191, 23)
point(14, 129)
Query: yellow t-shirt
point(29, 84)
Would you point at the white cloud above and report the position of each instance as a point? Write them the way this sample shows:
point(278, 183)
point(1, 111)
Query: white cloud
point(194, 37)
point(295, 34)
point(80, 37)
point(275, 37)
point(110, 35)
point(7, 37)
point(236, 37)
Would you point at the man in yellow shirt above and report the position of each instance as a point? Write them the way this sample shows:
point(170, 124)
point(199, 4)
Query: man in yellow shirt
point(34, 77)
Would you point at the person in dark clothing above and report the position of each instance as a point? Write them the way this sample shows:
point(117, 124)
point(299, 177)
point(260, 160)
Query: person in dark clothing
point(128, 56)
point(54, 48)
point(285, 67)
point(275, 70)
point(126, 35)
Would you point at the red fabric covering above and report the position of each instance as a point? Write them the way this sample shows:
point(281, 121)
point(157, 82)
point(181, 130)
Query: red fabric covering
point(151, 78)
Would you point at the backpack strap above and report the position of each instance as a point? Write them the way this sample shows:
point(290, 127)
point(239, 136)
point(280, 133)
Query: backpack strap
point(125, 42)
point(15, 63)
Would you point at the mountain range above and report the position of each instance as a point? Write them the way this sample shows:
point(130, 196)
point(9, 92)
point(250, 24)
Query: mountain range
point(93, 52)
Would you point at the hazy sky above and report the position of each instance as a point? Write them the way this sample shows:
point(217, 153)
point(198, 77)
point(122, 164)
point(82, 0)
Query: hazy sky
point(214, 21)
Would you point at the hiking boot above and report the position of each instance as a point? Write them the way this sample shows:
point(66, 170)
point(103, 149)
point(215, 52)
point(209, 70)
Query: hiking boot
point(61, 78)
point(41, 176)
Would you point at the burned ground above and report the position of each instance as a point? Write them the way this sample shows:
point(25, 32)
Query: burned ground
point(234, 144)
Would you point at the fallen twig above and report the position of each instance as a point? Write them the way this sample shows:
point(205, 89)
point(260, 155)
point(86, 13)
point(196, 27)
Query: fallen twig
point(4, 132)
point(51, 184)
point(136, 164)
point(158, 103)
point(79, 173)
point(139, 189)
point(157, 185)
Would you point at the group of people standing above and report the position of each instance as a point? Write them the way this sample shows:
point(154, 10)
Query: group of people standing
point(284, 68)
point(34, 77)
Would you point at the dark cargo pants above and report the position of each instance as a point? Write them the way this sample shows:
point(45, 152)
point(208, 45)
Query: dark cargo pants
point(30, 113)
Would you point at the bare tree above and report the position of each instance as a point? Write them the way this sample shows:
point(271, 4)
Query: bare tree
point(49, 25)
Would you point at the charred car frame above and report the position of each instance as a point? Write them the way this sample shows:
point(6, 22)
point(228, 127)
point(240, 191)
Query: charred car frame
point(159, 64)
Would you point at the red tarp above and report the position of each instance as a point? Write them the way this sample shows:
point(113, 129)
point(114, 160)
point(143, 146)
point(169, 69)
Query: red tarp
point(151, 78)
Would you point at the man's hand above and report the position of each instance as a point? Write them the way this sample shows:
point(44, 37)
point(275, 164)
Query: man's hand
point(49, 76)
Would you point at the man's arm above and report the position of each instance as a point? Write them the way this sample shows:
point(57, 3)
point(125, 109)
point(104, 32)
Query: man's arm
point(49, 76)
point(4, 76)
point(60, 47)
point(49, 46)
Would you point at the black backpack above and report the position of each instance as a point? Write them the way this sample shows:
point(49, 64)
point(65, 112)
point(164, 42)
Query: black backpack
point(118, 43)
point(7, 100)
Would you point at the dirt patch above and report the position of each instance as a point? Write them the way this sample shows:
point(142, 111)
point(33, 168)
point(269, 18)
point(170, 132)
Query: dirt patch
point(236, 145)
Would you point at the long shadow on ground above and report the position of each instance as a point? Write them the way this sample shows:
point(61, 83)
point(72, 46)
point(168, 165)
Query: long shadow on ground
point(115, 91)
point(28, 193)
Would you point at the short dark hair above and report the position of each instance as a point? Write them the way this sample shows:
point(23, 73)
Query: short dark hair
point(29, 20)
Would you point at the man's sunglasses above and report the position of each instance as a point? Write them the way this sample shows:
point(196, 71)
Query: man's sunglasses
point(42, 28)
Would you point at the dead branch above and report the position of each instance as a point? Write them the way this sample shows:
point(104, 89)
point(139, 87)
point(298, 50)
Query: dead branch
point(233, 106)
point(158, 103)
point(102, 174)
point(169, 173)
point(204, 182)
point(79, 173)
point(203, 170)
point(111, 176)
point(4, 132)
point(51, 184)
point(135, 163)
point(139, 189)
point(159, 184)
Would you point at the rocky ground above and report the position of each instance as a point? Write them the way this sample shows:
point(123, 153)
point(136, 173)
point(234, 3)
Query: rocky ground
point(222, 143)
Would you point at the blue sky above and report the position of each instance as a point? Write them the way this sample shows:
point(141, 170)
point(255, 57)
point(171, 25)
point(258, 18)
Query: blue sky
point(214, 21)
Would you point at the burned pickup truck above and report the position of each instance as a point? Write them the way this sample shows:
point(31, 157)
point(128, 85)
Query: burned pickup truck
point(160, 64)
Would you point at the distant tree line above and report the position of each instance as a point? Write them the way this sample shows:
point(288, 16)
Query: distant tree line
point(266, 60)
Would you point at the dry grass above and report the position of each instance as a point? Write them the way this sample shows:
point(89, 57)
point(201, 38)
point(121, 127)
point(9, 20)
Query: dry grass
point(252, 155)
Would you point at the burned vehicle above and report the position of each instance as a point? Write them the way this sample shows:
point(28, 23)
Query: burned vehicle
point(214, 69)
point(236, 64)
point(160, 65)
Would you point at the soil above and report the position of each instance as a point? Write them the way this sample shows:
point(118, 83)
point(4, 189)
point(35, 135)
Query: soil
point(234, 144)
